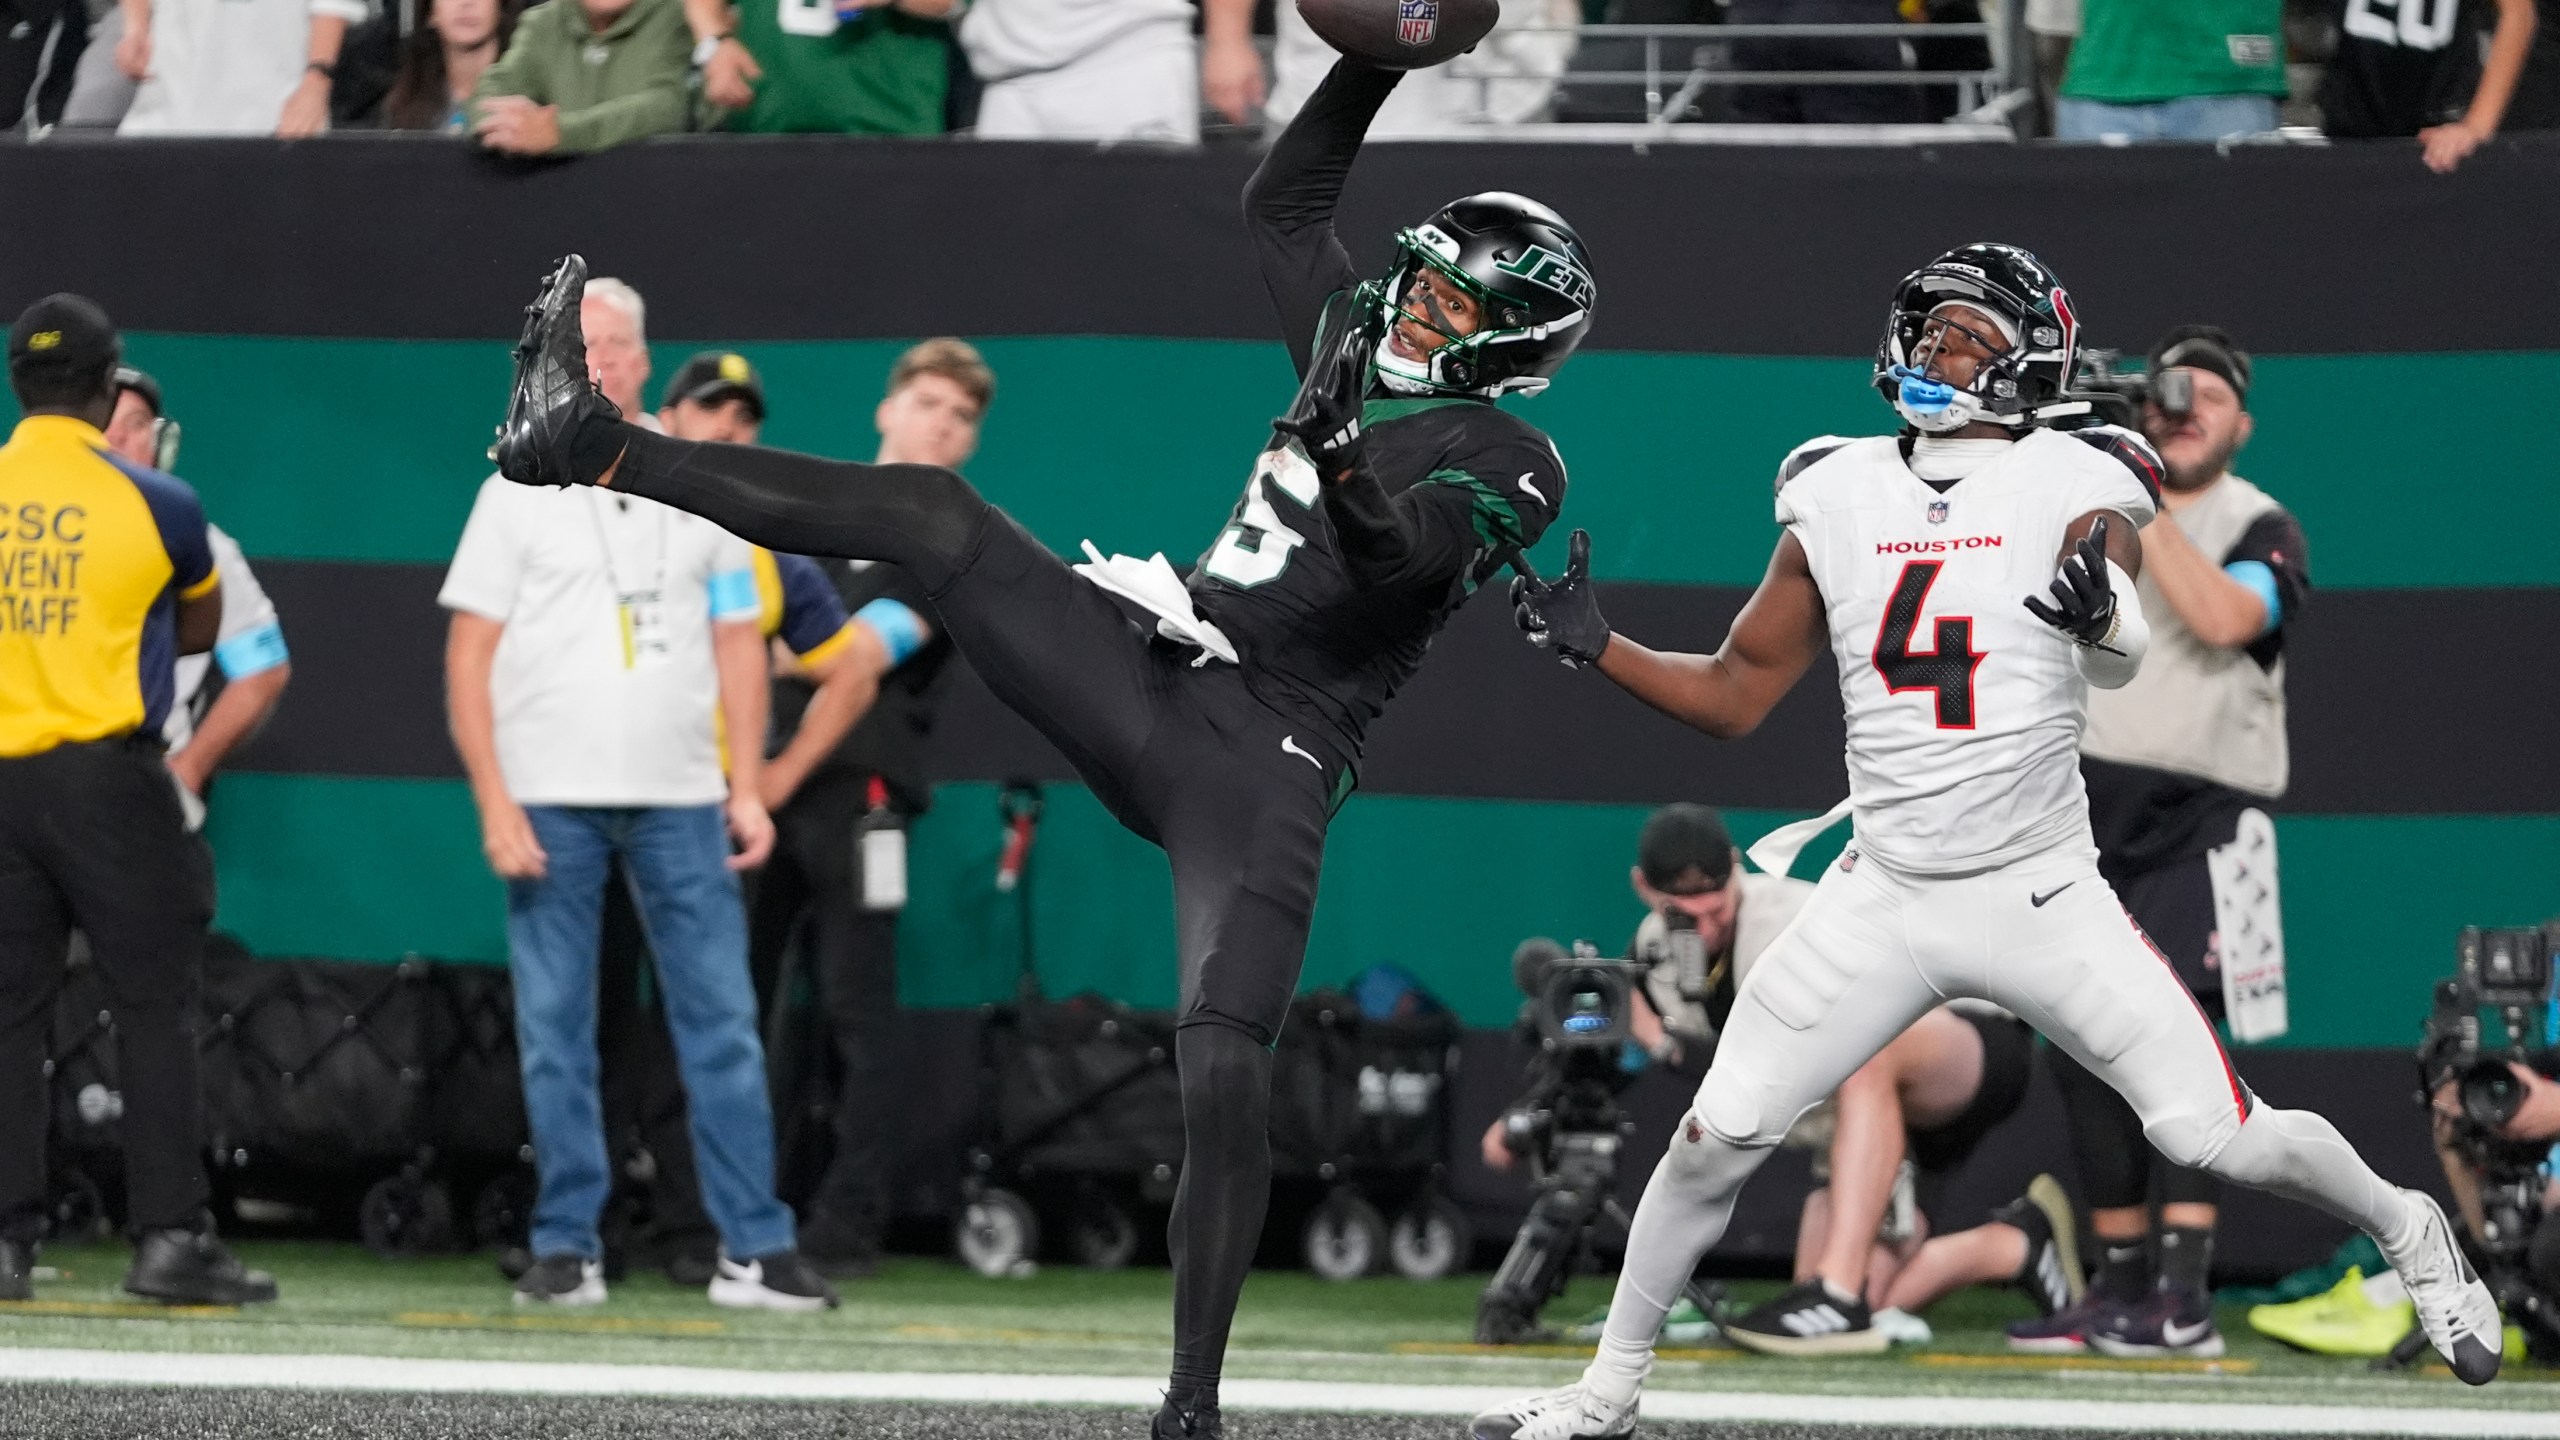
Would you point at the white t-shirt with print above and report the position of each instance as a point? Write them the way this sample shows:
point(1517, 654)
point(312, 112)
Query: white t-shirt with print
point(605, 686)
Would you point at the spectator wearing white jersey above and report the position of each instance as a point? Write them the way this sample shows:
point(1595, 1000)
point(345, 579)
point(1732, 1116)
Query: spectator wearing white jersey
point(1110, 70)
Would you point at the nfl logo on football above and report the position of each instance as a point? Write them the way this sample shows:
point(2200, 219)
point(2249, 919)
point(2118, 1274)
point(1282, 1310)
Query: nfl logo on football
point(1937, 512)
point(1417, 21)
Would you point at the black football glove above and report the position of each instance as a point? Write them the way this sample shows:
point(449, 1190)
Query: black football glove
point(2084, 596)
point(1325, 418)
point(1562, 614)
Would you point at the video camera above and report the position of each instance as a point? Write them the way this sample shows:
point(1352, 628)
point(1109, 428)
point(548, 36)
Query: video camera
point(2496, 1011)
point(2116, 395)
point(1568, 1126)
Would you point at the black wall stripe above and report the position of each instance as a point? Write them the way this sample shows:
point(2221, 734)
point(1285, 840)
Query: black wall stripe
point(2403, 701)
point(1726, 249)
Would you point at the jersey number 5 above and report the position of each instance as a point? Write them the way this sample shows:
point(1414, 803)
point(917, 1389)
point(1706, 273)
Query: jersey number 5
point(1946, 670)
point(1256, 547)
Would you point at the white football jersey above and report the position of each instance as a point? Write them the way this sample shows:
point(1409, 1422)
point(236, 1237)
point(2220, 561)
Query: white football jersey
point(1964, 711)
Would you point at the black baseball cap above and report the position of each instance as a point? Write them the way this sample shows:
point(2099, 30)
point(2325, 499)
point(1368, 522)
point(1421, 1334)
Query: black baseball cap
point(2204, 347)
point(65, 333)
point(714, 375)
point(139, 381)
point(1684, 837)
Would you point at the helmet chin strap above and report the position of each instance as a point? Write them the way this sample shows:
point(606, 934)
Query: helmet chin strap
point(1934, 407)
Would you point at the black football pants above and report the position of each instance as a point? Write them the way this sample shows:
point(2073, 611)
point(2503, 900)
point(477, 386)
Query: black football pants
point(90, 836)
point(1235, 793)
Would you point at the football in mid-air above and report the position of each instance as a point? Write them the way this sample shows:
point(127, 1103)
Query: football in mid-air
point(1401, 34)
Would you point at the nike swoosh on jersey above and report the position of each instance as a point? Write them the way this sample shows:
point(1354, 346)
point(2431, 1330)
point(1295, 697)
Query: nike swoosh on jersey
point(1289, 746)
point(1532, 489)
point(2038, 900)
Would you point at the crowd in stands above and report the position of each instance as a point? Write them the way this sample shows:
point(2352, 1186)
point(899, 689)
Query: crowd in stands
point(573, 76)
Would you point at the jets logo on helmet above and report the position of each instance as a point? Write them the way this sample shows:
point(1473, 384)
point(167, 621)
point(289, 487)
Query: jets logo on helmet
point(2035, 352)
point(1529, 276)
point(1542, 266)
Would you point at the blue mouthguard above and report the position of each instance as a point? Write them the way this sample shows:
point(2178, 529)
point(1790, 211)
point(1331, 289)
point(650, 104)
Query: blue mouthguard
point(1921, 393)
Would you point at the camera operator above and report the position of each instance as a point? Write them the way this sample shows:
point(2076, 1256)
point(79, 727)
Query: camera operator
point(2177, 763)
point(1707, 920)
point(1599, 1022)
point(2535, 1120)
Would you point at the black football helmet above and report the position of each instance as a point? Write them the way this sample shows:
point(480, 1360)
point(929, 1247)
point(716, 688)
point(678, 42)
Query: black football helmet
point(2036, 355)
point(1526, 268)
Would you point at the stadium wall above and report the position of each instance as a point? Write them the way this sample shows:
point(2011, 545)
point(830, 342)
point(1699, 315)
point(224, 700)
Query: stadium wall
point(330, 321)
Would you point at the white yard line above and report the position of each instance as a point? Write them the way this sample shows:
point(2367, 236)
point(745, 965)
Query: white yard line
point(360, 1372)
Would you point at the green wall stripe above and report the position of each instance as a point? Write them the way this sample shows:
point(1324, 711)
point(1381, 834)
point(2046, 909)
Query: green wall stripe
point(374, 869)
point(370, 449)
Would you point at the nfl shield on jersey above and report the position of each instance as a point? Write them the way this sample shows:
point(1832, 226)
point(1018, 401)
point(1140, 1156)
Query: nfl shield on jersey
point(1964, 711)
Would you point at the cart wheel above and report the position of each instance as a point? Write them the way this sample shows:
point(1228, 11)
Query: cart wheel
point(1345, 1238)
point(502, 1213)
point(1102, 1237)
point(1430, 1241)
point(401, 1216)
point(997, 1235)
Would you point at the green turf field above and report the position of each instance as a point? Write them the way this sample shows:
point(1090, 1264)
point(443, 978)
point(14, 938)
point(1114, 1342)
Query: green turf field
point(926, 1315)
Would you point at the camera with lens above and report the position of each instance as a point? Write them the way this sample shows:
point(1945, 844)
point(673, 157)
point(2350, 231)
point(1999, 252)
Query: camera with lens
point(2494, 1012)
point(1567, 1126)
point(2115, 395)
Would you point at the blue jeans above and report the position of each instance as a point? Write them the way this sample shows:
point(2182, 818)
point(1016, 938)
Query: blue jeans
point(2192, 117)
point(688, 902)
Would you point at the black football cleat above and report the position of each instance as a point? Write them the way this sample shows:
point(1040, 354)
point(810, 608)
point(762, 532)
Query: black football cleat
point(1187, 1415)
point(553, 395)
point(189, 1267)
point(17, 1271)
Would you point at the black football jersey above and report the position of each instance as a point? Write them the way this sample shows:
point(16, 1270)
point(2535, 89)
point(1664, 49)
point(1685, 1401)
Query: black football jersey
point(1481, 485)
point(2401, 66)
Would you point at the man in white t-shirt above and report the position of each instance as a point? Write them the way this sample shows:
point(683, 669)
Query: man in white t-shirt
point(1110, 70)
point(593, 638)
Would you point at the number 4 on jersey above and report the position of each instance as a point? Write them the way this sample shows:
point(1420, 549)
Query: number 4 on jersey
point(1947, 670)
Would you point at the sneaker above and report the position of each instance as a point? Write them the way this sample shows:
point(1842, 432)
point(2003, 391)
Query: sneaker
point(17, 1271)
point(562, 1280)
point(2356, 1317)
point(1572, 1413)
point(1188, 1415)
point(1901, 1327)
point(779, 1281)
point(552, 393)
point(2168, 1324)
point(1808, 1320)
point(2460, 1315)
point(2051, 1277)
point(2064, 1332)
point(190, 1267)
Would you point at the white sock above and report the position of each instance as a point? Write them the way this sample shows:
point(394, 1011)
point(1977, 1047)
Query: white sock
point(1685, 1208)
point(2299, 1155)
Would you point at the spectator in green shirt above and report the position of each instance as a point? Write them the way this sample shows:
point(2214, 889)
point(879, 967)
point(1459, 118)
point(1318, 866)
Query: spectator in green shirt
point(2173, 70)
point(586, 75)
point(836, 67)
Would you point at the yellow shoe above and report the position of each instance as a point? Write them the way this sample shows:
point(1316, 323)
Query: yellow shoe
point(2355, 1317)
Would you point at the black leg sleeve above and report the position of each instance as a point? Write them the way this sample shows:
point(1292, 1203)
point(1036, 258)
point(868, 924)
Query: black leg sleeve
point(1226, 1188)
point(926, 519)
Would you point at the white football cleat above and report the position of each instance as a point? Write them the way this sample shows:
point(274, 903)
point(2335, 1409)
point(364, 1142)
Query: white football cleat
point(2460, 1315)
point(1572, 1413)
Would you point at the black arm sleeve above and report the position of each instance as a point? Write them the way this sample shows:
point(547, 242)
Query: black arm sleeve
point(1289, 202)
point(2275, 541)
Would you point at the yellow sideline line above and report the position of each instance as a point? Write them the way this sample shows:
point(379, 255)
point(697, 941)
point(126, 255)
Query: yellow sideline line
point(563, 1324)
point(1541, 1352)
point(2099, 1363)
point(1021, 1337)
point(118, 1309)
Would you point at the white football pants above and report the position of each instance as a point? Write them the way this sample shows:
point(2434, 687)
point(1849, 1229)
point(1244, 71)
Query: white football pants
point(1873, 950)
